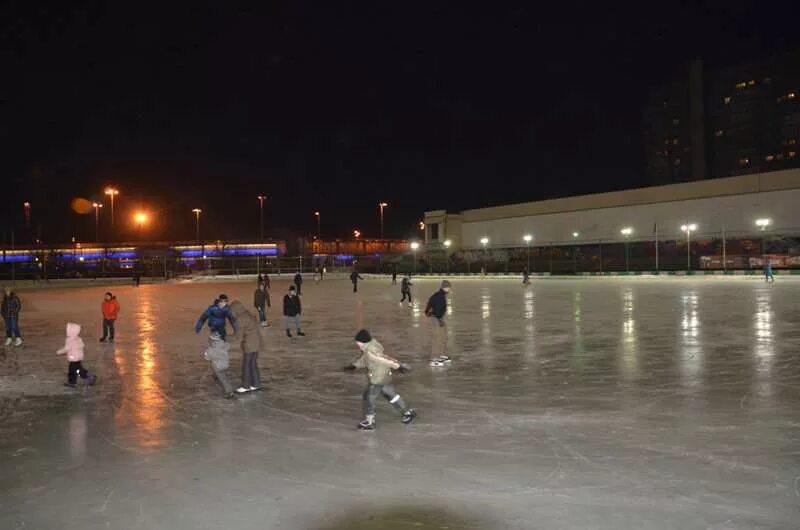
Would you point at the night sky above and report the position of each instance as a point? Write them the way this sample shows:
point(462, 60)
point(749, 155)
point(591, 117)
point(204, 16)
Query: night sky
point(333, 106)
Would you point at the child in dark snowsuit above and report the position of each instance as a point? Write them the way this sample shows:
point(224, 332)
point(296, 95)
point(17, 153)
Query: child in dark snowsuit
point(405, 289)
point(379, 379)
point(354, 277)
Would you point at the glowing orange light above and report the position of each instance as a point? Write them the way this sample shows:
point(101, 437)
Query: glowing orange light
point(140, 218)
point(357, 233)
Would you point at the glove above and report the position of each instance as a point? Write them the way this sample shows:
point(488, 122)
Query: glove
point(404, 368)
point(349, 368)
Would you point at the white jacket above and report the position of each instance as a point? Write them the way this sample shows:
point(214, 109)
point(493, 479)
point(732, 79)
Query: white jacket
point(73, 345)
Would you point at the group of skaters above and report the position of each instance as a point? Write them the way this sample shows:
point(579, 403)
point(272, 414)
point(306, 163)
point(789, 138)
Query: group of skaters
point(372, 358)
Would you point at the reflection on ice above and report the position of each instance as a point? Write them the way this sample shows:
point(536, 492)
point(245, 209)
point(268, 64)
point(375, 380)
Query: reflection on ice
point(630, 362)
point(691, 351)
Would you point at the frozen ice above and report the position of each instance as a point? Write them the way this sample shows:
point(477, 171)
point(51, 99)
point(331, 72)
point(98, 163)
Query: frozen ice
point(586, 403)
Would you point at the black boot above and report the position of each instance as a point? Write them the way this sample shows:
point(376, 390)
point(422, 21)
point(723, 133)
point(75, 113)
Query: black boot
point(300, 333)
point(288, 333)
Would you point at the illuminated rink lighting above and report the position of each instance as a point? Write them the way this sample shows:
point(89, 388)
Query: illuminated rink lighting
point(691, 227)
point(627, 231)
point(763, 223)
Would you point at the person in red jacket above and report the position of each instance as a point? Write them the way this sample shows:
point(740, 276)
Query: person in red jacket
point(110, 309)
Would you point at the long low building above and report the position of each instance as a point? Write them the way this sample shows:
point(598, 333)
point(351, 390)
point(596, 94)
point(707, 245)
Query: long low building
point(756, 206)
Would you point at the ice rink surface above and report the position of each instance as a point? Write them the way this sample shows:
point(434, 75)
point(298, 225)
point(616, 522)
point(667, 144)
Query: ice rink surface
point(603, 404)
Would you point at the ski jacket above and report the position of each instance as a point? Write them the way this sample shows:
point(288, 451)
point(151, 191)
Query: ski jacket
point(261, 299)
point(73, 345)
point(217, 353)
point(379, 366)
point(247, 328)
point(437, 305)
point(11, 306)
point(354, 277)
point(405, 285)
point(298, 279)
point(291, 306)
point(110, 308)
point(216, 317)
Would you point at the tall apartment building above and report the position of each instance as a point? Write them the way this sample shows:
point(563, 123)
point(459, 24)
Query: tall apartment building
point(724, 122)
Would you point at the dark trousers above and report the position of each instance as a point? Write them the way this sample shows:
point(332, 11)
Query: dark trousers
point(406, 294)
point(12, 327)
point(299, 287)
point(76, 369)
point(372, 392)
point(108, 328)
point(355, 287)
point(220, 330)
point(262, 314)
point(250, 374)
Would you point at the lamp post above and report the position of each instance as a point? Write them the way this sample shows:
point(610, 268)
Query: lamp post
point(27, 207)
point(261, 216)
point(484, 242)
point(319, 225)
point(626, 233)
point(528, 238)
point(447, 244)
point(414, 247)
point(112, 192)
point(96, 206)
point(141, 219)
point(382, 205)
point(197, 212)
point(575, 236)
point(762, 225)
point(689, 228)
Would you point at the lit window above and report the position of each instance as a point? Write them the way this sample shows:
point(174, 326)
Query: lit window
point(792, 154)
point(752, 82)
point(791, 95)
point(769, 158)
point(792, 141)
point(677, 162)
point(676, 121)
point(727, 100)
point(674, 141)
point(719, 132)
point(741, 85)
point(744, 161)
point(666, 141)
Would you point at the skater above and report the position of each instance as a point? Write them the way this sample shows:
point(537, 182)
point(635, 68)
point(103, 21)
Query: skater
point(10, 309)
point(298, 282)
point(216, 314)
point(251, 345)
point(110, 309)
point(316, 275)
point(267, 282)
point(73, 347)
point(525, 276)
point(260, 279)
point(435, 311)
point(768, 275)
point(217, 355)
point(379, 379)
point(354, 277)
point(137, 279)
point(261, 301)
point(292, 311)
point(394, 275)
point(405, 288)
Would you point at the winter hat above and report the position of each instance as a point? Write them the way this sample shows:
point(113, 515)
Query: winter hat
point(223, 298)
point(291, 288)
point(109, 294)
point(445, 284)
point(363, 336)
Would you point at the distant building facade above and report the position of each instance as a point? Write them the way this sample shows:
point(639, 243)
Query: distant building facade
point(725, 122)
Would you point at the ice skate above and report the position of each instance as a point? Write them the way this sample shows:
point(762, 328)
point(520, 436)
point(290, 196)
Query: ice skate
point(367, 424)
point(300, 333)
point(18, 342)
point(256, 388)
point(91, 379)
point(8, 341)
point(436, 363)
point(102, 339)
point(408, 416)
point(230, 395)
point(242, 390)
point(288, 333)
point(70, 385)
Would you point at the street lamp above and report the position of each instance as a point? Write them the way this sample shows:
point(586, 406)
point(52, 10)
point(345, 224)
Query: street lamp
point(626, 233)
point(447, 244)
point(414, 247)
point(356, 233)
point(27, 206)
point(762, 225)
point(112, 192)
point(484, 242)
point(689, 228)
point(575, 235)
point(260, 216)
point(382, 205)
point(96, 206)
point(319, 225)
point(141, 219)
point(528, 238)
point(197, 212)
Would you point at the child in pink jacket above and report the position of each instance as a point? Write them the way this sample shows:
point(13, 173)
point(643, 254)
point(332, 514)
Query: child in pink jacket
point(73, 347)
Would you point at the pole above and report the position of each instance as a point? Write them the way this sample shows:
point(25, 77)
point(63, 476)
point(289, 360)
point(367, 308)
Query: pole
point(97, 224)
point(600, 244)
point(627, 256)
point(528, 244)
point(724, 251)
point(381, 220)
point(13, 263)
point(112, 213)
point(656, 230)
point(688, 250)
point(197, 226)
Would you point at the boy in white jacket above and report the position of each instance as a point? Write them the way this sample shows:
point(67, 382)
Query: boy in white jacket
point(73, 347)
